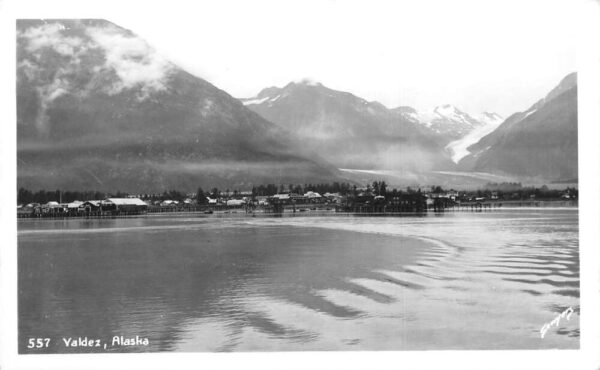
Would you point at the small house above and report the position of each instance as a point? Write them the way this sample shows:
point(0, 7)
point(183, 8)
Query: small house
point(235, 202)
point(134, 205)
point(90, 206)
point(313, 196)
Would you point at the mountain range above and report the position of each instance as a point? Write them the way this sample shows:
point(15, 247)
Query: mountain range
point(354, 133)
point(98, 108)
point(349, 131)
point(445, 145)
point(446, 120)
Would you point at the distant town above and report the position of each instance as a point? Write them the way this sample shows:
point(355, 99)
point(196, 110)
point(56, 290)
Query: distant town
point(340, 197)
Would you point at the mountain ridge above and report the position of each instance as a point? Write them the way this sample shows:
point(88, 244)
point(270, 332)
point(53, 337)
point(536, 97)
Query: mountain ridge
point(98, 108)
point(539, 142)
point(349, 130)
point(444, 126)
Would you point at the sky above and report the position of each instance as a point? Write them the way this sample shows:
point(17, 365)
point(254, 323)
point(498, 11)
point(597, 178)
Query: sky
point(496, 56)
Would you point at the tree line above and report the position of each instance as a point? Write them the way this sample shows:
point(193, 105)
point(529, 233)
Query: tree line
point(272, 189)
point(377, 188)
point(25, 196)
point(513, 190)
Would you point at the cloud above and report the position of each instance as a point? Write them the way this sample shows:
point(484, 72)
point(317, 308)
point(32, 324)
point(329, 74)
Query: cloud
point(50, 36)
point(132, 59)
point(47, 94)
point(107, 50)
point(207, 107)
point(29, 69)
point(35, 67)
point(134, 63)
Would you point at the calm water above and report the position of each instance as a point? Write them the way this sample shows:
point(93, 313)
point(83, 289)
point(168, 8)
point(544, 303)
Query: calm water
point(197, 283)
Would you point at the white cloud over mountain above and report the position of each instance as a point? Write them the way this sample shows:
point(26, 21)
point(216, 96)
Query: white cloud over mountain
point(132, 59)
point(135, 63)
point(50, 35)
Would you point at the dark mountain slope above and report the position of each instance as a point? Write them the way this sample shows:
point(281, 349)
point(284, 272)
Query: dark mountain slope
point(349, 131)
point(98, 108)
point(540, 142)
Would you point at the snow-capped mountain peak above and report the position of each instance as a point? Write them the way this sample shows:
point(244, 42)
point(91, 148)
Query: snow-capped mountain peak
point(451, 113)
point(307, 82)
point(268, 96)
point(444, 119)
point(446, 110)
point(271, 94)
point(490, 118)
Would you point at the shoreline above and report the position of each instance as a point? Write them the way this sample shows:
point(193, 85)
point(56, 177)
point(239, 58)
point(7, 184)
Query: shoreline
point(237, 213)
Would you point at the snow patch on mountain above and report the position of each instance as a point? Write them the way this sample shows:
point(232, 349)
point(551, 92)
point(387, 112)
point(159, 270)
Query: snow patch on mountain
point(530, 113)
point(266, 99)
point(450, 112)
point(307, 82)
point(255, 101)
point(490, 118)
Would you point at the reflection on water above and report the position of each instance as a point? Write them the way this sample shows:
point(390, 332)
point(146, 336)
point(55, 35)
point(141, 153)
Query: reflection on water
point(460, 281)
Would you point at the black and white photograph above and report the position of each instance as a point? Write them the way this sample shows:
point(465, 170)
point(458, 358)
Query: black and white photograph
point(300, 177)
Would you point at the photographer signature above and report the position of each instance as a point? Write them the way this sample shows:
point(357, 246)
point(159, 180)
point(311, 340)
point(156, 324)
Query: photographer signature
point(565, 314)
